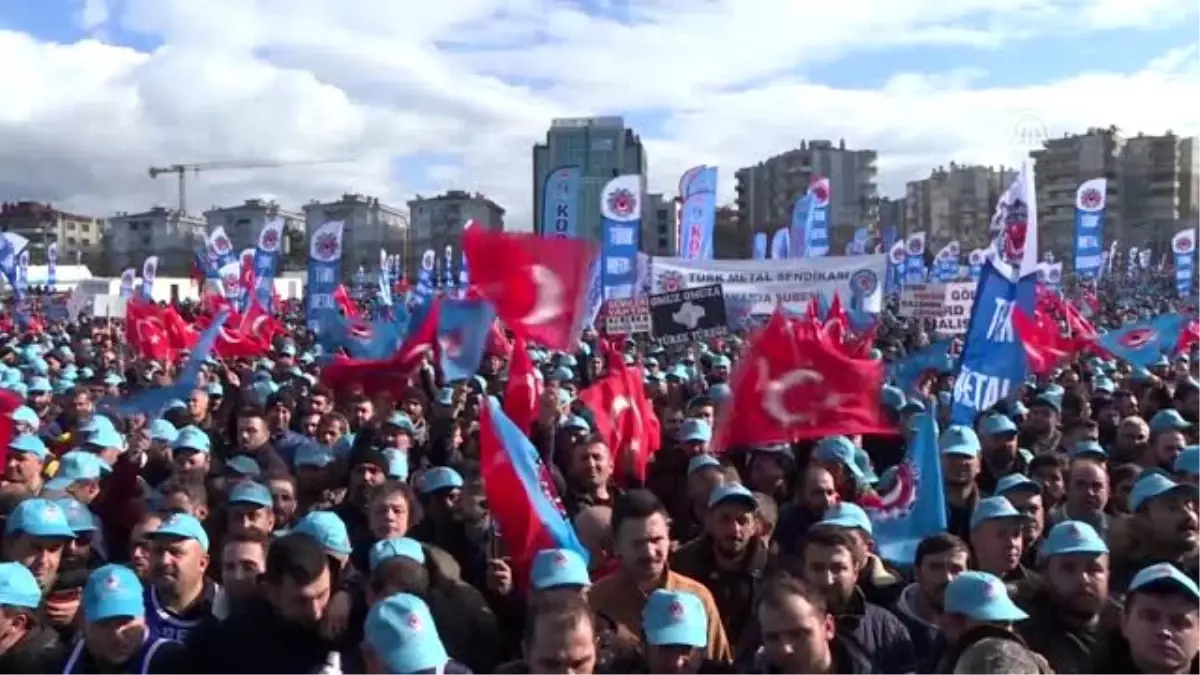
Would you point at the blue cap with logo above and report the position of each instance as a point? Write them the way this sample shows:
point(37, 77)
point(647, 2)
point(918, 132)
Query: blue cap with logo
point(25, 415)
point(163, 431)
point(113, 591)
point(555, 567)
point(79, 517)
point(310, 454)
point(249, 492)
point(105, 437)
point(192, 438)
point(847, 516)
point(1152, 485)
point(328, 529)
point(959, 439)
point(1017, 482)
point(18, 587)
point(981, 596)
point(702, 461)
point(395, 547)
point(1089, 448)
point(1073, 537)
point(675, 618)
point(29, 444)
point(994, 508)
point(400, 631)
point(735, 492)
point(439, 478)
point(694, 431)
point(182, 526)
point(1168, 420)
point(38, 517)
point(996, 424)
point(838, 450)
point(1165, 574)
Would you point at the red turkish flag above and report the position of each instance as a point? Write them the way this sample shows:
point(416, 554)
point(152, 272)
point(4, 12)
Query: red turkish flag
point(342, 298)
point(260, 325)
point(1045, 345)
point(497, 344)
point(523, 389)
point(181, 334)
point(539, 285)
point(625, 420)
point(837, 322)
point(788, 387)
point(146, 331)
point(232, 343)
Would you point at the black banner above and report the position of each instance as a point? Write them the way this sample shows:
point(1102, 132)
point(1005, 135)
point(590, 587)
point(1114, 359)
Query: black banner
point(689, 315)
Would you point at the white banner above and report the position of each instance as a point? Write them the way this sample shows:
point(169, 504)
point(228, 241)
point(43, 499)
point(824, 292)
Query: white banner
point(949, 304)
point(757, 286)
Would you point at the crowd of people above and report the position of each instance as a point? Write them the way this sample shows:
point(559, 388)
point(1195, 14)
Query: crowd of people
point(264, 523)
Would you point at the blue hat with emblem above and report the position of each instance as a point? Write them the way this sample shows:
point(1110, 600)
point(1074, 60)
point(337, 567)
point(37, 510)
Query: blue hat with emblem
point(1088, 448)
point(400, 631)
point(438, 478)
point(732, 492)
point(38, 517)
point(1017, 482)
point(1164, 574)
point(113, 591)
point(29, 444)
point(847, 516)
point(18, 587)
point(980, 596)
point(243, 465)
point(249, 492)
point(25, 415)
point(675, 618)
point(328, 529)
point(1168, 420)
point(1071, 537)
point(182, 526)
point(996, 424)
point(959, 439)
point(79, 517)
point(555, 567)
point(402, 422)
point(163, 431)
point(694, 431)
point(702, 461)
point(994, 508)
point(105, 437)
point(839, 450)
point(394, 547)
point(312, 455)
point(194, 439)
point(1152, 485)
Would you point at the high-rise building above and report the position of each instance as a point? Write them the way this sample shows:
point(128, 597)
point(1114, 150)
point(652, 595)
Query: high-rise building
point(660, 225)
point(1158, 189)
point(732, 238)
point(79, 237)
point(767, 191)
point(370, 227)
point(1060, 166)
point(130, 238)
point(603, 148)
point(437, 222)
point(955, 204)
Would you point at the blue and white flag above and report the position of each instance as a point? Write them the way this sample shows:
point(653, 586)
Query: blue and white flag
point(781, 244)
point(560, 202)
point(423, 294)
point(126, 289)
point(621, 227)
point(52, 265)
point(1183, 245)
point(448, 280)
point(911, 503)
point(993, 358)
point(760, 246)
point(975, 262)
point(267, 252)
point(324, 272)
point(1090, 200)
point(914, 258)
point(896, 267)
point(698, 209)
point(149, 274)
point(462, 333)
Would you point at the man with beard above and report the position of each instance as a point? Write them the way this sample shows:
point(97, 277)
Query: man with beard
point(1072, 609)
point(1000, 454)
point(817, 494)
point(1040, 433)
point(1163, 528)
point(1087, 494)
point(368, 467)
point(26, 461)
point(978, 620)
point(960, 448)
point(800, 635)
point(27, 644)
point(831, 561)
point(642, 543)
point(179, 596)
point(729, 558)
point(940, 558)
point(589, 472)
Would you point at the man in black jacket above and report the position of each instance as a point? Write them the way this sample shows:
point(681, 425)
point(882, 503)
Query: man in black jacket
point(27, 645)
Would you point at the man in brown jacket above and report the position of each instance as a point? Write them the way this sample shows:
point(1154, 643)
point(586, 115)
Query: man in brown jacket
point(641, 529)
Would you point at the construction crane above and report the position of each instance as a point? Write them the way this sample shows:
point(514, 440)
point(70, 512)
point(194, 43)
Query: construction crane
point(182, 170)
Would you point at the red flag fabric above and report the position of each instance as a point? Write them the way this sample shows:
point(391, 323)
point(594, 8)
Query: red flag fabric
point(146, 332)
point(373, 377)
point(788, 387)
point(524, 388)
point(837, 322)
point(497, 344)
point(342, 298)
point(1044, 344)
point(248, 281)
point(9, 402)
point(181, 334)
point(260, 325)
point(232, 343)
point(625, 420)
point(538, 284)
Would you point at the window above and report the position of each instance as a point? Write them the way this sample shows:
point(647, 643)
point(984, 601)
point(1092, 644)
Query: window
point(146, 241)
point(70, 225)
point(70, 242)
point(83, 227)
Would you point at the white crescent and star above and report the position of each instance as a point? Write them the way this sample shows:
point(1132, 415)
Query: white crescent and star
point(548, 296)
point(776, 388)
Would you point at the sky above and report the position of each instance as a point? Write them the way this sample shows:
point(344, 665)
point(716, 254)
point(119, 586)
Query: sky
point(406, 98)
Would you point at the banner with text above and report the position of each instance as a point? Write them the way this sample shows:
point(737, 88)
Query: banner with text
point(760, 285)
point(627, 316)
point(948, 304)
point(688, 315)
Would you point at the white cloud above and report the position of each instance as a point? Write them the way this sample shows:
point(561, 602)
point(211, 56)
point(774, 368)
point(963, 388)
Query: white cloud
point(292, 80)
point(92, 14)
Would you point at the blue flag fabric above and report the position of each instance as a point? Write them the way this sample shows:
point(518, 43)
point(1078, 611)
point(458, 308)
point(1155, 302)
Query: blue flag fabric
point(151, 402)
point(378, 339)
point(910, 504)
point(993, 359)
point(1142, 343)
point(462, 335)
point(905, 372)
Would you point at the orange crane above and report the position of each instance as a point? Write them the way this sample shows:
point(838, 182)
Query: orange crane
point(182, 170)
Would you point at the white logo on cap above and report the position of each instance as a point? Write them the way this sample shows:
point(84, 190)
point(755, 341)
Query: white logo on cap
point(113, 582)
point(414, 623)
point(676, 610)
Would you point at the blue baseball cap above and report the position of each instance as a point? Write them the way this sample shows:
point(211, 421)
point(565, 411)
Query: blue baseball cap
point(30, 444)
point(702, 461)
point(25, 415)
point(244, 465)
point(113, 591)
point(556, 567)
point(400, 631)
point(959, 439)
point(838, 450)
point(386, 549)
point(38, 517)
point(577, 423)
point(1073, 536)
point(996, 424)
point(1152, 485)
point(194, 439)
point(1168, 420)
point(694, 431)
point(994, 508)
point(249, 492)
point(96, 423)
point(79, 517)
point(980, 596)
point(328, 529)
point(892, 397)
point(182, 526)
point(18, 587)
point(672, 618)
point(1016, 482)
point(847, 516)
point(312, 455)
point(105, 437)
point(1165, 574)
point(164, 431)
point(1187, 462)
point(402, 422)
point(438, 478)
point(39, 385)
point(732, 492)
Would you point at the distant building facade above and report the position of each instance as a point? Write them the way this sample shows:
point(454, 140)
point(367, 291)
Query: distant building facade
point(244, 223)
point(437, 222)
point(660, 225)
point(955, 204)
point(79, 237)
point(129, 238)
point(370, 226)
